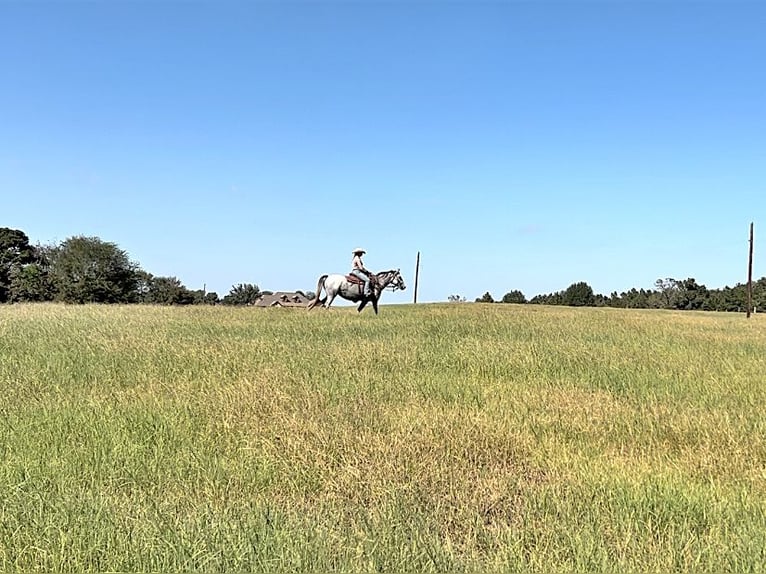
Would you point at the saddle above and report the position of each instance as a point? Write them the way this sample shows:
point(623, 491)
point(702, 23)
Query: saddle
point(356, 281)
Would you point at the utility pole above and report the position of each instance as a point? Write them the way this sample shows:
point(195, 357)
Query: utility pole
point(417, 273)
point(750, 275)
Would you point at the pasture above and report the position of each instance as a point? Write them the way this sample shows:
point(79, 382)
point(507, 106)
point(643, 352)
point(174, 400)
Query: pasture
point(450, 437)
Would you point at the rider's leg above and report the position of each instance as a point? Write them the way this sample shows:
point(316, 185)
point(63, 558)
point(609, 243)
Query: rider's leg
point(367, 286)
point(365, 281)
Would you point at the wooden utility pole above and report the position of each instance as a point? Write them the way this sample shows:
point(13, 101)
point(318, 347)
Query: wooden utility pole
point(750, 275)
point(417, 273)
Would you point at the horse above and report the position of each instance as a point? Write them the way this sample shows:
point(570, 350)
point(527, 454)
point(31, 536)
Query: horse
point(351, 288)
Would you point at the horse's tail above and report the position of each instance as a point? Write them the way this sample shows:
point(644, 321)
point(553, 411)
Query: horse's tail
point(316, 300)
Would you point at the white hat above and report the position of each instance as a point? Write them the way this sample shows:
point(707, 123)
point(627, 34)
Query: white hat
point(358, 250)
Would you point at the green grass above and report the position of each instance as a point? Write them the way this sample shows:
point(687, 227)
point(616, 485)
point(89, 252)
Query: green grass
point(472, 438)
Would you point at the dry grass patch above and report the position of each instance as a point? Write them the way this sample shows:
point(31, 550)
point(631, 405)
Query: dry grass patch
point(430, 438)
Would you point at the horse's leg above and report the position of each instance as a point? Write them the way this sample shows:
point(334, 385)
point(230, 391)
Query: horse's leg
point(315, 302)
point(330, 298)
point(375, 305)
point(362, 305)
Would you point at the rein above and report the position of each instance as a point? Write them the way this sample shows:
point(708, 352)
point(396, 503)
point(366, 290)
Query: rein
point(390, 286)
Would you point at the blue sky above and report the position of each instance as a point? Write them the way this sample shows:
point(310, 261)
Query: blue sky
point(515, 145)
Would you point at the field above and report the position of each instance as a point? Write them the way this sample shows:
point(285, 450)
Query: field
point(454, 437)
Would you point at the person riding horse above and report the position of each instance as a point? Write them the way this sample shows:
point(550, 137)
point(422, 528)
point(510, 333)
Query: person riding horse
point(334, 284)
point(358, 270)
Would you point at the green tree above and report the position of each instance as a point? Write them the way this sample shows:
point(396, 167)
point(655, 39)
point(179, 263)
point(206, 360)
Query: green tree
point(514, 297)
point(210, 298)
point(759, 295)
point(200, 297)
point(486, 298)
point(579, 295)
point(30, 283)
point(734, 298)
point(15, 253)
point(143, 285)
point(691, 295)
point(89, 270)
point(668, 289)
point(168, 291)
point(556, 298)
point(242, 294)
point(635, 299)
point(601, 300)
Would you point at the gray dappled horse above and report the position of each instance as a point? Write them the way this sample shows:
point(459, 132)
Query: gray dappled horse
point(352, 289)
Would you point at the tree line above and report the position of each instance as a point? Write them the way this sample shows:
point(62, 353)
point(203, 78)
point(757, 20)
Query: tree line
point(88, 270)
point(668, 293)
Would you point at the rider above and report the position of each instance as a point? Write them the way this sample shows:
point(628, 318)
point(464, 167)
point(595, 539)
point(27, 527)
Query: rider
point(358, 270)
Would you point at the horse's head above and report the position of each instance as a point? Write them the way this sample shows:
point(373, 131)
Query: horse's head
point(397, 280)
point(390, 280)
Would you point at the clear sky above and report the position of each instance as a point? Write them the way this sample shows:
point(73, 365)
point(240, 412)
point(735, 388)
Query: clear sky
point(515, 145)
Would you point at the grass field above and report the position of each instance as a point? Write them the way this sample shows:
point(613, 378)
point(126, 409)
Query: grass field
point(455, 437)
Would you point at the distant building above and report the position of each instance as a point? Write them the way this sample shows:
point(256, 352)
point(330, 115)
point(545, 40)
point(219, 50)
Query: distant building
point(282, 299)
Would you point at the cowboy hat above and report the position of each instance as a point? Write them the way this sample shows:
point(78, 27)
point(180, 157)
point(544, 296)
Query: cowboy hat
point(358, 250)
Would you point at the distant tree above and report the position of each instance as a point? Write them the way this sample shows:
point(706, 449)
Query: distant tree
point(514, 297)
point(200, 297)
point(168, 291)
point(655, 300)
point(486, 298)
point(89, 270)
point(309, 294)
point(681, 295)
point(691, 295)
point(210, 298)
point(15, 253)
point(242, 294)
point(30, 283)
point(601, 300)
point(556, 298)
point(143, 285)
point(759, 295)
point(579, 295)
point(668, 289)
point(716, 300)
point(456, 299)
point(615, 300)
point(733, 298)
point(635, 299)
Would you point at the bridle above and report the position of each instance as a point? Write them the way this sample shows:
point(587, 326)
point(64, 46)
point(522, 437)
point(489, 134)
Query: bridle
point(392, 285)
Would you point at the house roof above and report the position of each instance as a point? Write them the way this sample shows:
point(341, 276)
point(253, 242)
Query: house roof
point(282, 299)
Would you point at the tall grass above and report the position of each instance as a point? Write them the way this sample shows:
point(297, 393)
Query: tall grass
point(474, 438)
